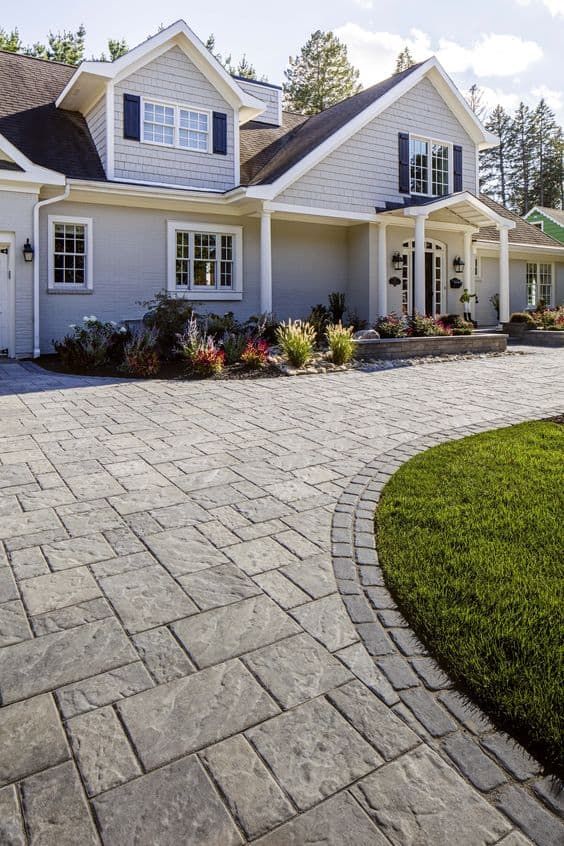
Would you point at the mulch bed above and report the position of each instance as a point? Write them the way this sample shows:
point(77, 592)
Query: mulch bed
point(175, 370)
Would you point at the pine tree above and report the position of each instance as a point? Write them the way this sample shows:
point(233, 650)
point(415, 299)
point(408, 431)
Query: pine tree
point(243, 68)
point(495, 163)
point(10, 41)
point(404, 60)
point(66, 47)
point(547, 156)
point(117, 48)
point(522, 161)
point(320, 76)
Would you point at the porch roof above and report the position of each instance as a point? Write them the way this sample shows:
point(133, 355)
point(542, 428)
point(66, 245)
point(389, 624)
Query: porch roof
point(462, 207)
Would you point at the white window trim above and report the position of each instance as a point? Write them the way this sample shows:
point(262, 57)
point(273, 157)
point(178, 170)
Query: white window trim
point(429, 140)
point(537, 272)
point(67, 286)
point(538, 223)
point(230, 294)
point(178, 107)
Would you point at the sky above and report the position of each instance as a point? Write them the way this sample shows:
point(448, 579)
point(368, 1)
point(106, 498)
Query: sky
point(511, 48)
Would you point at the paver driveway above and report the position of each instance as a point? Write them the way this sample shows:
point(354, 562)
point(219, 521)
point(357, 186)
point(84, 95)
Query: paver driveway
point(177, 665)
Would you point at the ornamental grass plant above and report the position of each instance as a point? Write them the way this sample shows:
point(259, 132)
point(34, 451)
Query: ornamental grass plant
point(341, 343)
point(297, 340)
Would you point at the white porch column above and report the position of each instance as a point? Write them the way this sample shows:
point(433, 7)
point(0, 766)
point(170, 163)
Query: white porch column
point(419, 264)
point(469, 269)
point(382, 269)
point(503, 273)
point(265, 262)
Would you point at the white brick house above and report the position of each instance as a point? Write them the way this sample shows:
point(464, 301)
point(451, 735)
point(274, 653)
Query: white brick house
point(162, 171)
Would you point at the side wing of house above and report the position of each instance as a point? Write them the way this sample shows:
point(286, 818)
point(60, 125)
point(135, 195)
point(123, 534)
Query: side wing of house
point(547, 223)
point(364, 172)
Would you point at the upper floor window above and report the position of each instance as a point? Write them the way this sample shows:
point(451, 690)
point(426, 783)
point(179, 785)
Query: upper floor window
point(429, 166)
point(70, 253)
point(174, 126)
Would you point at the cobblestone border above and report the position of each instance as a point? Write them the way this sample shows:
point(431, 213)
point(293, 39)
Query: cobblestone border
point(411, 681)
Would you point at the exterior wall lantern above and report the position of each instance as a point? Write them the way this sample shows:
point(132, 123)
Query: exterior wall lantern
point(458, 264)
point(27, 251)
point(397, 261)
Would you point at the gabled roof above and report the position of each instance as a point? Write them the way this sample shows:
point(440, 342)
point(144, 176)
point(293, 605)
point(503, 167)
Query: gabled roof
point(555, 215)
point(524, 233)
point(90, 78)
point(51, 138)
point(260, 143)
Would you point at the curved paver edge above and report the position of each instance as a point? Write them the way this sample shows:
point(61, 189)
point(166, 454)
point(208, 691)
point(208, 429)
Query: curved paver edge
point(448, 721)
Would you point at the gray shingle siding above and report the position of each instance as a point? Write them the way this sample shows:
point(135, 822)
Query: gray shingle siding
point(271, 97)
point(173, 77)
point(363, 171)
point(96, 120)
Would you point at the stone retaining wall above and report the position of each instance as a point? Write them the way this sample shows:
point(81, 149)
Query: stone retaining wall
point(391, 348)
point(543, 338)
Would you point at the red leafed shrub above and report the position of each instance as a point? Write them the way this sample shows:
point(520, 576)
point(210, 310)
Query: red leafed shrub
point(208, 360)
point(255, 354)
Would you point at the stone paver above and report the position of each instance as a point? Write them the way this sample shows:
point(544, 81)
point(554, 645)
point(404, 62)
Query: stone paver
point(235, 613)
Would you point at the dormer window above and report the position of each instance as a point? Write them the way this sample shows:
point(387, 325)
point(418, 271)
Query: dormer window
point(429, 167)
point(174, 126)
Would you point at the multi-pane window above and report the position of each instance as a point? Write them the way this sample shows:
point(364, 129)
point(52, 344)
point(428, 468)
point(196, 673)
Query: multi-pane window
point(539, 284)
point(158, 124)
point(428, 167)
point(419, 165)
point(174, 126)
point(204, 260)
point(193, 130)
point(69, 254)
point(439, 170)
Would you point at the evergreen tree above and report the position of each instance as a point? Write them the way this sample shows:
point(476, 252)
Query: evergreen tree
point(10, 41)
point(243, 68)
point(117, 48)
point(522, 160)
point(547, 157)
point(404, 60)
point(320, 76)
point(66, 47)
point(495, 163)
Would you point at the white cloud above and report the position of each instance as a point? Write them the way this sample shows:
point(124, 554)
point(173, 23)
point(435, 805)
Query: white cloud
point(374, 53)
point(555, 99)
point(555, 7)
point(493, 97)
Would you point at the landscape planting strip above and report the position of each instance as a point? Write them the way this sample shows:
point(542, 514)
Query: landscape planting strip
point(457, 729)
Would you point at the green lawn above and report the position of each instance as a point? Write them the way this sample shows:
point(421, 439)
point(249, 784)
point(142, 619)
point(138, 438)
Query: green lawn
point(470, 538)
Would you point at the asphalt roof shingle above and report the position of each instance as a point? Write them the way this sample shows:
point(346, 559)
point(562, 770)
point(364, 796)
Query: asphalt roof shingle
point(50, 137)
point(524, 233)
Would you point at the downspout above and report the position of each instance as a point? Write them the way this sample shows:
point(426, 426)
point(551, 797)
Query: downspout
point(37, 206)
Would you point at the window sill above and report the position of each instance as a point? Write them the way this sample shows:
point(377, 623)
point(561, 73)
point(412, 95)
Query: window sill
point(202, 296)
point(81, 291)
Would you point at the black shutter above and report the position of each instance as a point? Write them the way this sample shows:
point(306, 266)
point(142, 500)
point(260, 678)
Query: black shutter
point(404, 181)
point(220, 133)
point(132, 117)
point(457, 167)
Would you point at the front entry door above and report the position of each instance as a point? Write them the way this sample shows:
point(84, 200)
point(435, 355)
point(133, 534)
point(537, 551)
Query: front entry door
point(4, 298)
point(435, 258)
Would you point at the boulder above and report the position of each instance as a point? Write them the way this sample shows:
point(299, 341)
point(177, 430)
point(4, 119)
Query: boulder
point(366, 335)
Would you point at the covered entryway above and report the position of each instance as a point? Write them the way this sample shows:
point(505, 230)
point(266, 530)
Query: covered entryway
point(435, 257)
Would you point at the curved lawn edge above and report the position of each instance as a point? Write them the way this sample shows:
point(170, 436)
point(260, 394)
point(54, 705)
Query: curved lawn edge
point(398, 668)
point(468, 536)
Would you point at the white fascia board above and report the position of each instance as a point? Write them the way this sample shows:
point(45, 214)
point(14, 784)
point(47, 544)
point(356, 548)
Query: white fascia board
point(523, 248)
point(177, 34)
point(143, 189)
point(30, 172)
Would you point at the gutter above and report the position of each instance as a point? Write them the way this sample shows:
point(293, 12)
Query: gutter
point(37, 206)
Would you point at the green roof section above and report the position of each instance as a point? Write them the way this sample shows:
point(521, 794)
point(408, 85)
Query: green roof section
point(552, 221)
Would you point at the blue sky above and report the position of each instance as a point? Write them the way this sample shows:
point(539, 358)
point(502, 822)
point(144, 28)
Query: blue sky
point(511, 48)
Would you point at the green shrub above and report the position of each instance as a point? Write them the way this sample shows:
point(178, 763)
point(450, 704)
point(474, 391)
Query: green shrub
point(337, 306)
point(522, 317)
point(168, 315)
point(297, 340)
point(234, 345)
point(319, 318)
point(391, 326)
point(92, 344)
point(219, 325)
point(455, 321)
point(461, 330)
point(421, 326)
point(140, 354)
point(341, 343)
